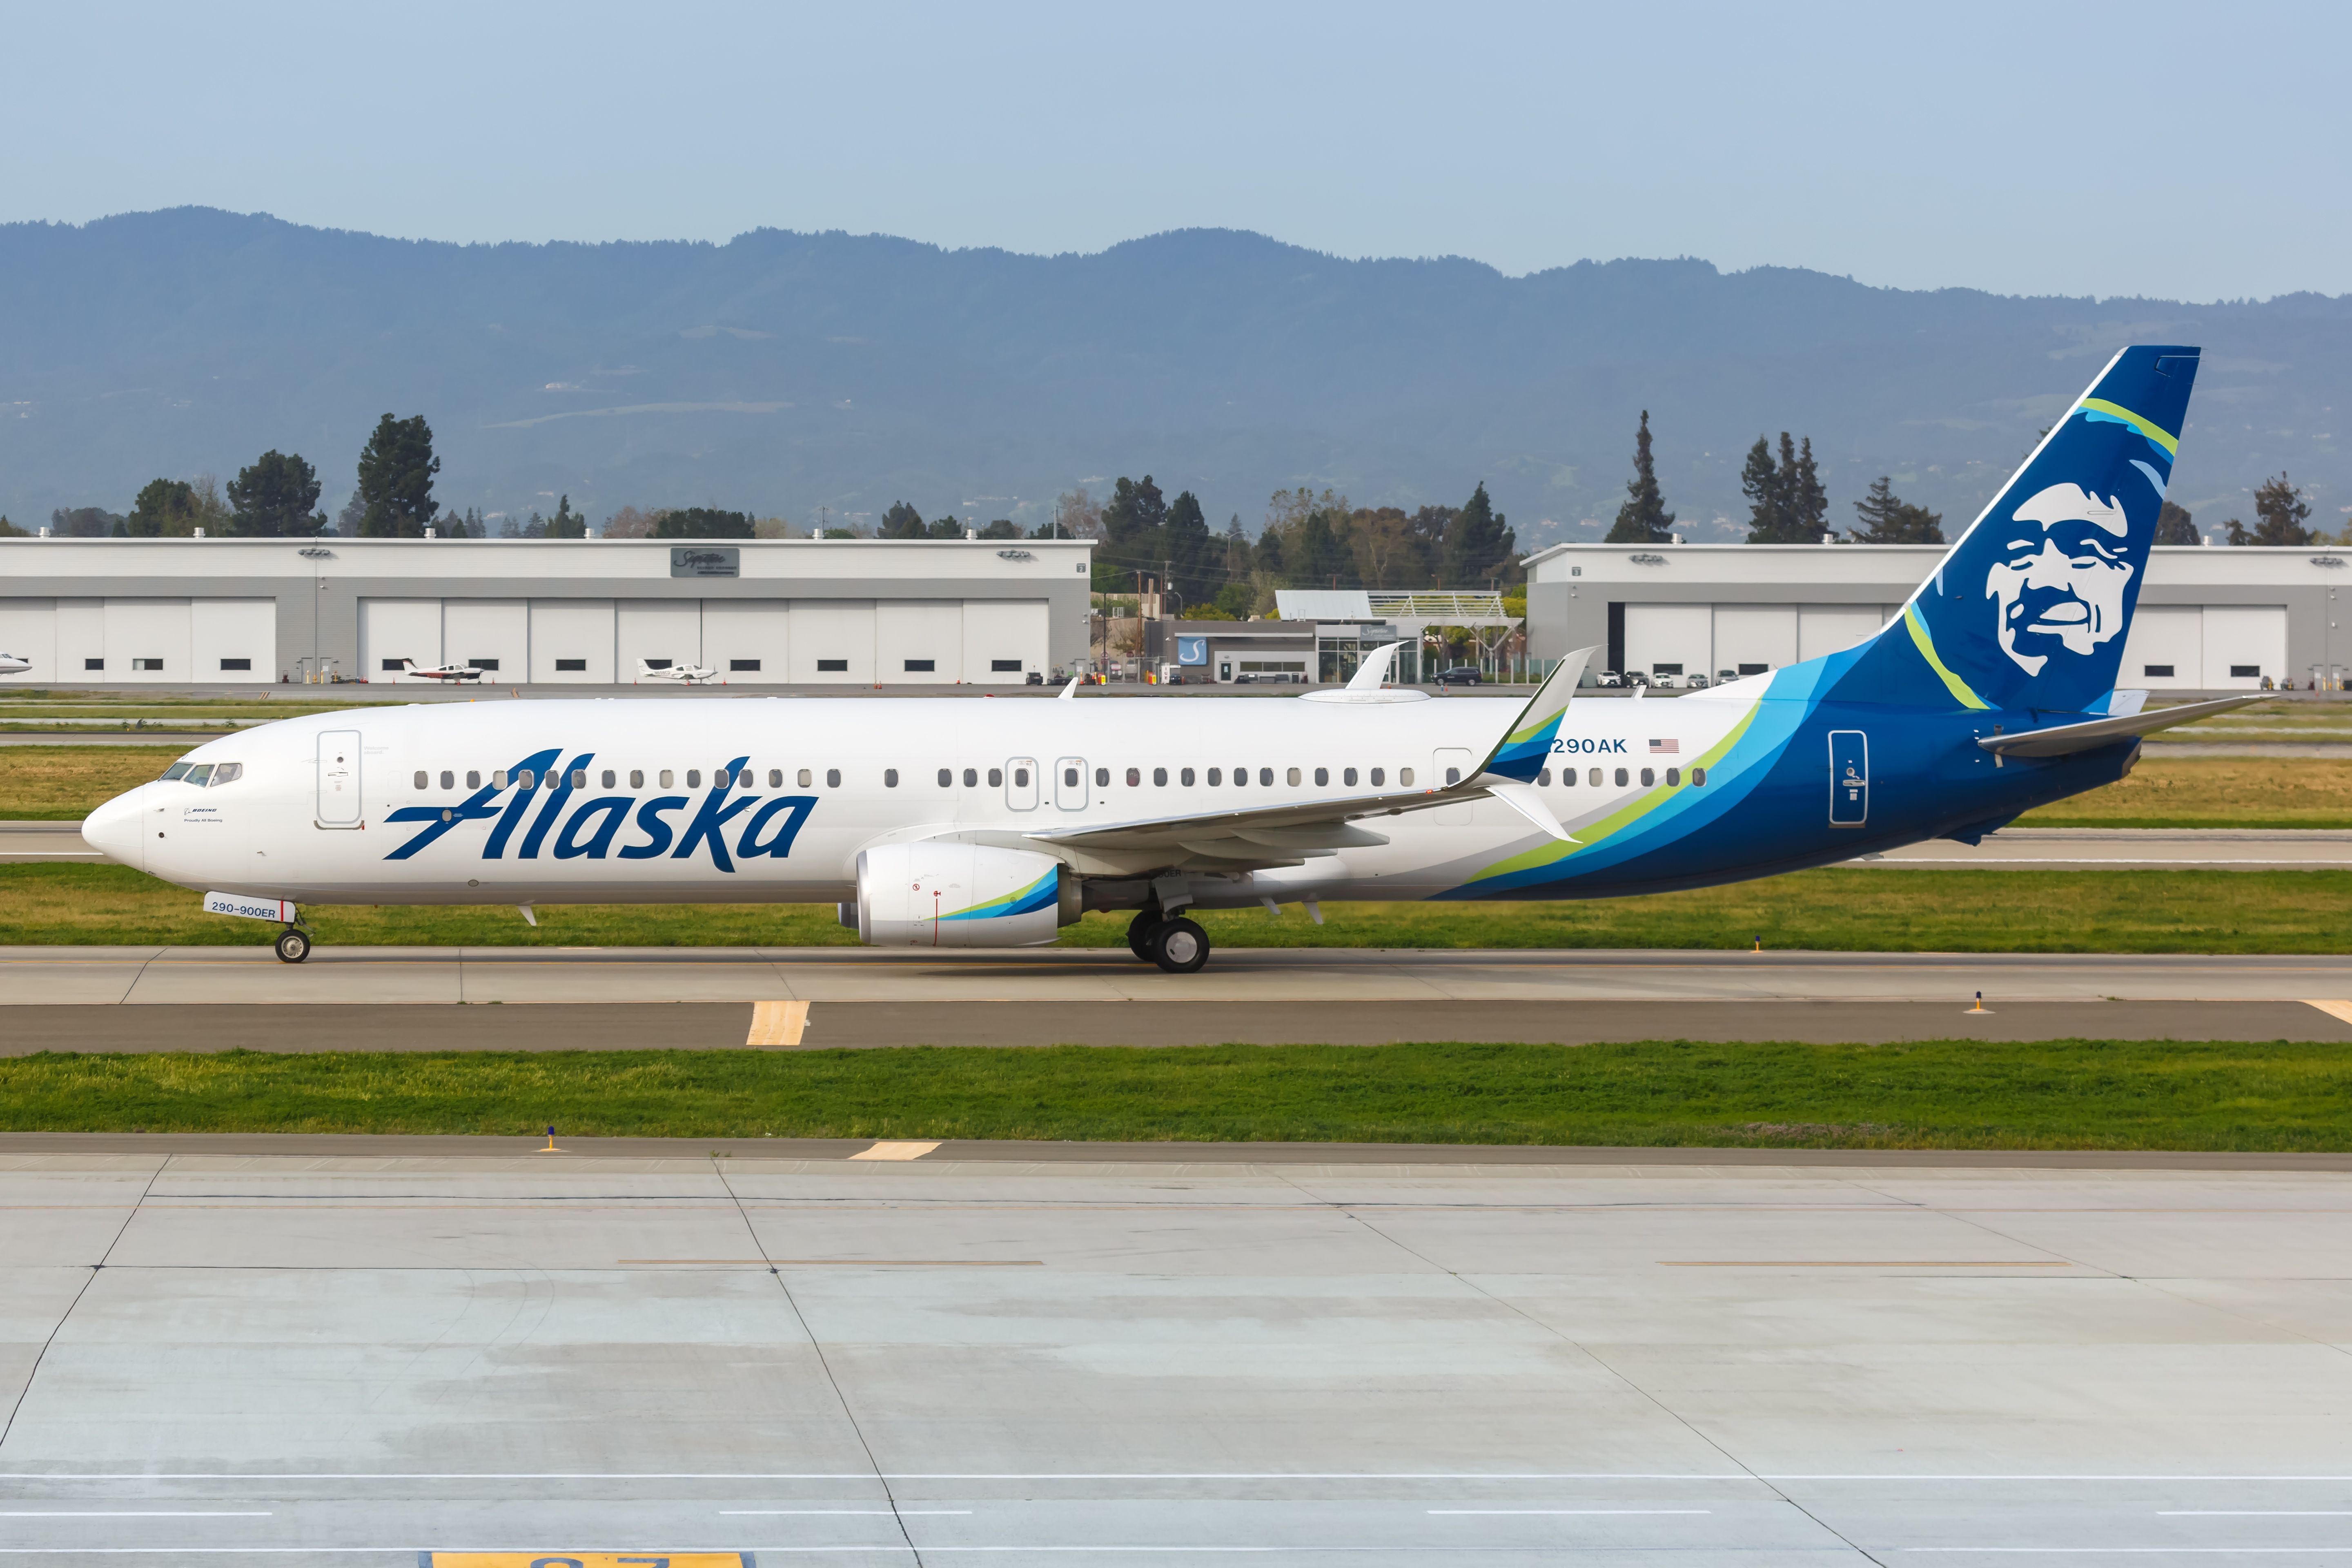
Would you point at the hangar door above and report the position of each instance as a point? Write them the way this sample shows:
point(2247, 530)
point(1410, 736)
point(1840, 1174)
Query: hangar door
point(392, 630)
point(1670, 639)
point(2244, 643)
point(1002, 640)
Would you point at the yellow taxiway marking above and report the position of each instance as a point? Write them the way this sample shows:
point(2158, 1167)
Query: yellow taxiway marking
point(846, 1262)
point(2338, 1010)
point(777, 1023)
point(584, 1559)
point(896, 1149)
point(1865, 1263)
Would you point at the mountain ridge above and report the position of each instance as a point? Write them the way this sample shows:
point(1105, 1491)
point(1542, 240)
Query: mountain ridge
point(781, 370)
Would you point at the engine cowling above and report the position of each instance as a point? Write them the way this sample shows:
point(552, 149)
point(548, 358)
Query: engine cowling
point(961, 895)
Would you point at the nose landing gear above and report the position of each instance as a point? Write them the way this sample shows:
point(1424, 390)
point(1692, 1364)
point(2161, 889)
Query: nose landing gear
point(293, 945)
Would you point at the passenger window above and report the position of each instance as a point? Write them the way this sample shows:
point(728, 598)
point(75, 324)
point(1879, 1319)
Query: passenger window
point(1454, 775)
point(1102, 778)
point(1184, 777)
point(1377, 777)
point(527, 779)
point(1543, 777)
point(1134, 778)
point(499, 779)
point(1593, 778)
point(833, 778)
point(1674, 775)
point(1216, 777)
point(775, 778)
point(889, 778)
point(805, 779)
point(424, 780)
point(580, 778)
point(971, 778)
point(607, 779)
point(1621, 778)
point(636, 778)
point(1648, 777)
point(1291, 778)
point(1069, 778)
point(1699, 777)
point(997, 778)
point(176, 771)
point(1021, 778)
point(1347, 776)
point(1160, 778)
point(1265, 778)
point(669, 778)
point(694, 778)
point(1405, 777)
point(1240, 777)
point(1322, 776)
point(473, 779)
point(198, 775)
point(947, 778)
point(228, 773)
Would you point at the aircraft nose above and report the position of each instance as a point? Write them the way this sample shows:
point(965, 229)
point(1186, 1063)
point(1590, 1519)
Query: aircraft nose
point(118, 828)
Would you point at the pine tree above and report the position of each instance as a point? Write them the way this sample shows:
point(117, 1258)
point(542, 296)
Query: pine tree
point(1478, 544)
point(1809, 504)
point(1643, 518)
point(1190, 553)
point(566, 523)
point(165, 508)
point(1760, 482)
point(2284, 514)
point(2175, 525)
point(397, 469)
point(275, 496)
point(1887, 519)
point(901, 521)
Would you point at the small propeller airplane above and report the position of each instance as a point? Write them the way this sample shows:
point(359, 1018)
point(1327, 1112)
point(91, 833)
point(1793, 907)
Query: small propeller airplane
point(685, 674)
point(11, 665)
point(439, 671)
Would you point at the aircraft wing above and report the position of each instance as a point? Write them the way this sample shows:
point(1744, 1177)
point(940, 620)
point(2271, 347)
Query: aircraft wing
point(1286, 831)
point(2062, 739)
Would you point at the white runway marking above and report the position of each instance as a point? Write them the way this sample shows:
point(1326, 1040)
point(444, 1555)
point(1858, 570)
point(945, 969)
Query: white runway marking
point(1551, 1512)
point(895, 1148)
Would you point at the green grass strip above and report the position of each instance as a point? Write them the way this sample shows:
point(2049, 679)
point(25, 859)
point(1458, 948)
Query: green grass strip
point(1879, 910)
point(1937, 1094)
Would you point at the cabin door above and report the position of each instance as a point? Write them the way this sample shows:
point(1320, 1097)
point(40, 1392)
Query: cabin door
point(1070, 784)
point(338, 778)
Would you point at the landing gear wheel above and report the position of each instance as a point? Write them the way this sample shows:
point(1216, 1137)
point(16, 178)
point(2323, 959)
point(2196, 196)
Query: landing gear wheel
point(1179, 946)
point(293, 946)
point(1138, 934)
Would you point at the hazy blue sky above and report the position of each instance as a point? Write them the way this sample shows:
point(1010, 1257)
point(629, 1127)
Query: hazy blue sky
point(2189, 151)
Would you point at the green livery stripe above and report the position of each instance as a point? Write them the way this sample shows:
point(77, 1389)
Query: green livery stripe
point(1926, 647)
point(1592, 832)
point(2147, 427)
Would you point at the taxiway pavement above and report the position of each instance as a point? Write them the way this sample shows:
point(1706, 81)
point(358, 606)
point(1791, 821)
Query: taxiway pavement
point(339, 1358)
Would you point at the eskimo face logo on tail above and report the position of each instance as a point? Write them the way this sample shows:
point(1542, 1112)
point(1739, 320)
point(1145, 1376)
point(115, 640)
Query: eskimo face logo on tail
point(2060, 586)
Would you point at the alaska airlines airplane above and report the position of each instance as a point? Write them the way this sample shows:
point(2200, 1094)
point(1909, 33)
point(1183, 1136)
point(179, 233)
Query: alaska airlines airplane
point(969, 822)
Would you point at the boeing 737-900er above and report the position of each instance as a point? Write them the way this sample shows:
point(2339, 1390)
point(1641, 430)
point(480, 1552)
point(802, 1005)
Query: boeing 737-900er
point(967, 823)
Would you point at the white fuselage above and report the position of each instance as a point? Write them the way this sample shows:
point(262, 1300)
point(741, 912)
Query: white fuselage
point(303, 822)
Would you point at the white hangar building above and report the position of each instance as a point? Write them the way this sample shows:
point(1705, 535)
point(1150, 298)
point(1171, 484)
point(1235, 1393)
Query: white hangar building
point(2220, 619)
point(852, 612)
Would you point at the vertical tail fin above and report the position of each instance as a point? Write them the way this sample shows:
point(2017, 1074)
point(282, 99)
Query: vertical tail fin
point(2031, 608)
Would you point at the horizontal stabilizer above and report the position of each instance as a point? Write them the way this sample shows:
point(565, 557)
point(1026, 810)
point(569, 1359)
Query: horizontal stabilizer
point(2063, 740)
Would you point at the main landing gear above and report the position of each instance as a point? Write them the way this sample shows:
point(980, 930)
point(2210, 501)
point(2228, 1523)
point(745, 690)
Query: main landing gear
point(293, 945)
point(1179, 946)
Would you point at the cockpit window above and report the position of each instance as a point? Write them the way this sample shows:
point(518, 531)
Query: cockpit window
point(198, 775)
point(228, 773)
point(177, 770)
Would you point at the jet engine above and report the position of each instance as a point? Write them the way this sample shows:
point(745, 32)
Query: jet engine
point(937, 894)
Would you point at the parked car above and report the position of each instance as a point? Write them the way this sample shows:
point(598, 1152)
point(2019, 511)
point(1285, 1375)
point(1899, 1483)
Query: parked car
point(1608, 677)
point(1724, 676)
point(1460, 675)
point(1036, 678)
point(1696, 683)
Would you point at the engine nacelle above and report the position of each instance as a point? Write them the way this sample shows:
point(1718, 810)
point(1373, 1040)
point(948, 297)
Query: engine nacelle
point(961, 895)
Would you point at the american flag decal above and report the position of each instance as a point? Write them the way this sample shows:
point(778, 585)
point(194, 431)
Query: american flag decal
point(1658, 746)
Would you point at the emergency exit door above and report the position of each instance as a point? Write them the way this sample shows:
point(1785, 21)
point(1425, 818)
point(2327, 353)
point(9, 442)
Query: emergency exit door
point(1849, 778)
point(338, 778)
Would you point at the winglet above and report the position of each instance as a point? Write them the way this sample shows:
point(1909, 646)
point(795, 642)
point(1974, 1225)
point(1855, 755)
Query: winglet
point(1069, 693)
point(1526, 747)
point(1373, 673)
